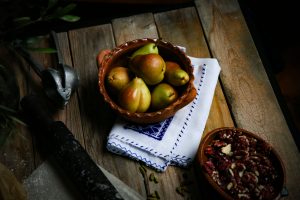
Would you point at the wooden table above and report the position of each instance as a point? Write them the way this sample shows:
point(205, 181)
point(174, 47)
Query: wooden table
point(243, 97)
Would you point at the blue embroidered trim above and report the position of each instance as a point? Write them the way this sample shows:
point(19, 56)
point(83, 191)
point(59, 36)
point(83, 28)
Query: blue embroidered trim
point(156, 131)
point(187, 120)
point(118, 149)
point(137, 145)
point(181, 161)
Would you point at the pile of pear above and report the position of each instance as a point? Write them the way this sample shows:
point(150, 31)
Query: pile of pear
point(148, 83)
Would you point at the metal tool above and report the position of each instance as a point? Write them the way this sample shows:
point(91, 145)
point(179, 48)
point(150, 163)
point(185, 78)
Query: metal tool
point(68, 152)
point(59, 83)
point(48, 182)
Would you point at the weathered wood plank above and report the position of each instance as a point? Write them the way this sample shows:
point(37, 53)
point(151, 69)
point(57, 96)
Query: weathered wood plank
point(36, 87)
point(97, 118)
point(126, 29)
point(246, 84)
point(219, 115)
point(182, 27)
point(17, 152)
point(87, 114)
point(143, 26)
point(71, 114)
point(95, 115)
point(134, 27)
point(171, 29)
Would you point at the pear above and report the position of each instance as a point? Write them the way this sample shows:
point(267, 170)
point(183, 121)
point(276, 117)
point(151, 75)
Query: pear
point(150, 67)
point(175, 75)
point(117, 78)
point(135, 96)
point(146, 49)
point(162, 96)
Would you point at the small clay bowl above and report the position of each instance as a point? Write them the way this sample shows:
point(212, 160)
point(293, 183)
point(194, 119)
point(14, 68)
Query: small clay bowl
point(204, 154)
point(120, 56)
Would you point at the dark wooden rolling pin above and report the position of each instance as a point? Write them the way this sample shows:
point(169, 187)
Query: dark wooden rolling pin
point(71, 156)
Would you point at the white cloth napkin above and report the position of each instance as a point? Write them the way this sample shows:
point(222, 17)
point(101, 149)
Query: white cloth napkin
point(175, 140)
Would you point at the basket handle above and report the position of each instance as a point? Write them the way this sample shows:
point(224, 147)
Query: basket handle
point(101, 55)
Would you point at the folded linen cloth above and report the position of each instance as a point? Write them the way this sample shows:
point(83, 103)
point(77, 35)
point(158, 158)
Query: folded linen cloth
point(175, 140)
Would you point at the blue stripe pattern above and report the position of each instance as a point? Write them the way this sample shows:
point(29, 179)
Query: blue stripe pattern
point(157, 132)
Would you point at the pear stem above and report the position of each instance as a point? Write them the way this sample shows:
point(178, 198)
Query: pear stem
point(157, 42)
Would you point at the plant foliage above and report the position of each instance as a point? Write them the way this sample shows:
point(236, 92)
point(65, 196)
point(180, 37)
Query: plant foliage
point(17, 16)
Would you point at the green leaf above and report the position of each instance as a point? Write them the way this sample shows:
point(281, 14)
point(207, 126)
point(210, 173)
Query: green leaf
point(2, 66)
point(59, 12)
point(43, 50)
point(17, 120)
point(70, 18)
point(31, 41)
point(68, 8)
point(22, 21)
point(7, 109)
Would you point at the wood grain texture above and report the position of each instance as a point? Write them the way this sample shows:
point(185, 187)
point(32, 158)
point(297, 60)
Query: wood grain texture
point(219, 115)
point(250, 102)
point(246, 84)
point(97, 118)
point(85, 45)
point(35, 87)
point(134, 27)
point(10, 187)
point(126, 29)
point(17, 153)
point(71, 113)
point(182, 27)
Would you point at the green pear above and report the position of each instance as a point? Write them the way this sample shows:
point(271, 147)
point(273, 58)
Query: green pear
point(175, 75)
point(117, 78)
point(146, 49)
point(135, 96)
point(162, 96)
point(150, 67)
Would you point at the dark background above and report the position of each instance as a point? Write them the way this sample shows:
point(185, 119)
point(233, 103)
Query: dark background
point(274, 26)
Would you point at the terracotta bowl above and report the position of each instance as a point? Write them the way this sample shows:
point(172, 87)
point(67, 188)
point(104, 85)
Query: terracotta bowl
point(120, 56)
point(205, 159)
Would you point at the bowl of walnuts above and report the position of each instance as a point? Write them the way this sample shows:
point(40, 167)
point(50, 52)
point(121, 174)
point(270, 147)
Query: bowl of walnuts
point(239, 164)
point(146, 80)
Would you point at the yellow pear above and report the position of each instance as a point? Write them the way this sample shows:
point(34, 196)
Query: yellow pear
point(162, 96)
point(150, 67)
point(135, 96)
point(146, 49)
point(117, 78)
point(175, 75)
